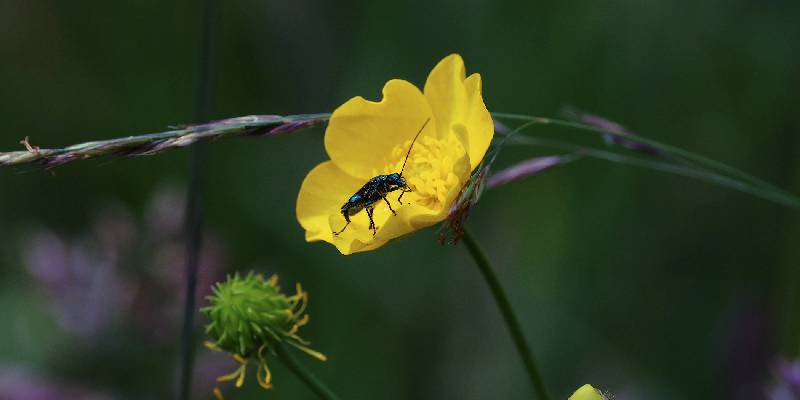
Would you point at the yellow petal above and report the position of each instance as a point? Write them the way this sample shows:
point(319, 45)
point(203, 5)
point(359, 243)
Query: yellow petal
point(445, 92)
point(358, 237)
point(362, 134)
point(323, 192)
point(359, 247)
point(587, 392)
point(457, 100)
point(479, 122)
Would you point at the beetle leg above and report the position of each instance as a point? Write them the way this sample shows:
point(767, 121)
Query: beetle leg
point(371, 221)
point(401, 195)
point(346, 218)
point(390, 206)
point(345, 227)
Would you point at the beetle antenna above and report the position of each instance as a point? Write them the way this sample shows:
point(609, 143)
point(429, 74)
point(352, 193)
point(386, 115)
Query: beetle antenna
point(412, 145)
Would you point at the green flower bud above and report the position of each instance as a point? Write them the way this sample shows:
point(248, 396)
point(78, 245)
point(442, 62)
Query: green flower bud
point(248, 316)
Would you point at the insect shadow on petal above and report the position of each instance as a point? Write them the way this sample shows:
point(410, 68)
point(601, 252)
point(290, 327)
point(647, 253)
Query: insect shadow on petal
point(376, 189)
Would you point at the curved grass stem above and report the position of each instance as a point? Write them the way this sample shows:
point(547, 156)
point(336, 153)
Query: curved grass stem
point(508, 314)
point(649, 163)
point(721, 173)
point(313, 383)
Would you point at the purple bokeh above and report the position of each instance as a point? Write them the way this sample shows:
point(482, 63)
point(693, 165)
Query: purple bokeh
point(122, 273)
point(19, 384)
point(787, 382)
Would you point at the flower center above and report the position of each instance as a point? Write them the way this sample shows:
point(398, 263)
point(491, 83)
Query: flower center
point(431, 170)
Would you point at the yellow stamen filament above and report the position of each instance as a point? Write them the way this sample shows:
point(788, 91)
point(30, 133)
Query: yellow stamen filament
point(238, 375)
point(263, 374)
point(298, 324)
point(312, 353)
point(239, 359)
point(264, 381)
point(240, 381)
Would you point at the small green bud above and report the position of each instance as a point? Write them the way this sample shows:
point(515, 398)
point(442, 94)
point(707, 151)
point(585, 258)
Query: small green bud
point(248, 316)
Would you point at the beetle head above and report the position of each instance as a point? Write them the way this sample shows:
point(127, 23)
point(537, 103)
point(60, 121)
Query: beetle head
point(395, 181)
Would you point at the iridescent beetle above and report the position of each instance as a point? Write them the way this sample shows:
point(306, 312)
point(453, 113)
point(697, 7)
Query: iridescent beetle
point(376, 189)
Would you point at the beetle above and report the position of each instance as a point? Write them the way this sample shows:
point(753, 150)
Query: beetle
point(376, 190)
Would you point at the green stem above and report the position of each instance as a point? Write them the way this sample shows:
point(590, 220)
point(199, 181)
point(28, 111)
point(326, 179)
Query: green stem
point(305, 375)
point(677, 169)
point(508, 314)
point(755, 184)
point(194, 202)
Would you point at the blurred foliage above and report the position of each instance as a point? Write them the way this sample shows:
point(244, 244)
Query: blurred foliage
point(644, 284)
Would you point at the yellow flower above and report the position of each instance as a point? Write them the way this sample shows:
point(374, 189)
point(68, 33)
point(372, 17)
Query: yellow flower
point(365, 139)
point(587, 392)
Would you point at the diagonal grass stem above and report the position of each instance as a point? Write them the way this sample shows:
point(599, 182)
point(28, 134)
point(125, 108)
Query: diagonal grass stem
point(677, 169)
point(311, 381)
point(749, 183)
point(508, 314)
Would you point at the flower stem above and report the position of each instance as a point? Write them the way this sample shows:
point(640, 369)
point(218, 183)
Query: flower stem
point(194, 202)
point(304, 375)
point(508, 314)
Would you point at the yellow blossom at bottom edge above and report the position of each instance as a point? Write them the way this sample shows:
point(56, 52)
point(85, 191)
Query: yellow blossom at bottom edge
point(587, 392)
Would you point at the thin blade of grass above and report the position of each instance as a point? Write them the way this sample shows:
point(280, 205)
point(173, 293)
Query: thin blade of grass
point(713, 171)
point(696, 173)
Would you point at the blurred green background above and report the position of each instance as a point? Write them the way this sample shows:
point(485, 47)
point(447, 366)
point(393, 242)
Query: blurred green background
point(648, 285)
